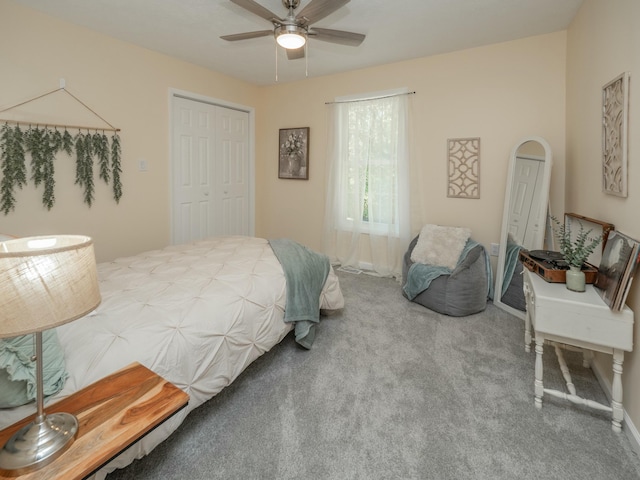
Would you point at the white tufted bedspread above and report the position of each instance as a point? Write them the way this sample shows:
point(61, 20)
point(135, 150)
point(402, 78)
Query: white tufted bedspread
point(195, 314)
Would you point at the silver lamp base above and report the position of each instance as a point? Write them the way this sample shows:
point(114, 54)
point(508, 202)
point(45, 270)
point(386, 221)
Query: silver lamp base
point(38, 443)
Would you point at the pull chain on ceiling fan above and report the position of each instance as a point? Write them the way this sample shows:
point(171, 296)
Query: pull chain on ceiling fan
point(293, 31)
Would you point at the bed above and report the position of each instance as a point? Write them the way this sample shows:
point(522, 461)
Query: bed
point(196, 314)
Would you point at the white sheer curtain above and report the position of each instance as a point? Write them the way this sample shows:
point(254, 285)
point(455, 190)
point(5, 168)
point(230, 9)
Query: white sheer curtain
point(367, 211)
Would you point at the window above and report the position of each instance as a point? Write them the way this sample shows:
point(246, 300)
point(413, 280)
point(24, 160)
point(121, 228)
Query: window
point(367, 212)
point(369, 140)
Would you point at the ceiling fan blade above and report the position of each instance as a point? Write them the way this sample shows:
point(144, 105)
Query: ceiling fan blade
point(295, 53)
point(316, 10)
point(337, 36)
point(247, 35)
point(257, 9)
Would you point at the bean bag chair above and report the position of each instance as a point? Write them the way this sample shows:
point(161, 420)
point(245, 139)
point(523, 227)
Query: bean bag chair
point(463, 291)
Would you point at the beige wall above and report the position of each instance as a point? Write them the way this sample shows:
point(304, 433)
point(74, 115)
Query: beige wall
point(500, 93)
point(126, 85)
point(604, 41)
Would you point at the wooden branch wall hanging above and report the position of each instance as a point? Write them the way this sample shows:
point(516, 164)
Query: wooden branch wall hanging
point(43, 142)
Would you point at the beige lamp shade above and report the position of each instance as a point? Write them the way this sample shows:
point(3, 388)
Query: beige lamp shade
point(45, 282)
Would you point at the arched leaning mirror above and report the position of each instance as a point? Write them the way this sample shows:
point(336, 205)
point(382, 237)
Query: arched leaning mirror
point(524, 218)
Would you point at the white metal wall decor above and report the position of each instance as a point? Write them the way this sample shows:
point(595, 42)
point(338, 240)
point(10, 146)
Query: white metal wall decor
point(463, 167)
point(615, 116)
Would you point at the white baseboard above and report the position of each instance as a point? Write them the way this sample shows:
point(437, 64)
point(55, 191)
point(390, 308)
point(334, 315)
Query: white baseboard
point(628, 427)
point(366, 266)
point(362, 267)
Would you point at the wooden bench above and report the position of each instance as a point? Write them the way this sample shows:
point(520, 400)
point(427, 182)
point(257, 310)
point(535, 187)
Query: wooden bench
point(113, 414)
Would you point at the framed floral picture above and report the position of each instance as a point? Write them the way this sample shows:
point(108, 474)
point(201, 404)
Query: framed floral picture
point(293, 153)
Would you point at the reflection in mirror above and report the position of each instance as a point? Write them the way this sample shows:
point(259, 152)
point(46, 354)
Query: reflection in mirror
point(524, 218)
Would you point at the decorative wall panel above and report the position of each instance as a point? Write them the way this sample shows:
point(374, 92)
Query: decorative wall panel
point(463, 167)
point(615, 115)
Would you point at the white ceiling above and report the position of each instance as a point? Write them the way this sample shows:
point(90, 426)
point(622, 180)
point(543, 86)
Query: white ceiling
point(396, 30)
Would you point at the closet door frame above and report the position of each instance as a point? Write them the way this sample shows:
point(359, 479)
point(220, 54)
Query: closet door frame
point(173, 92)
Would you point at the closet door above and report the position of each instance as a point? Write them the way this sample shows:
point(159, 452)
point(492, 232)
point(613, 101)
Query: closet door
point(231, 177)
point(210, 171)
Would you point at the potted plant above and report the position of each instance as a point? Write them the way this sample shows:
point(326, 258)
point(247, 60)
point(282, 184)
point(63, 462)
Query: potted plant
point(575, 252)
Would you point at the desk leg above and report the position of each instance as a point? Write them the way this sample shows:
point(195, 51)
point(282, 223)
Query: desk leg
point(565, 370)
point(616, 394)
point(587, 358)
point(527, 331)
point(538, 385)
point(527, 317)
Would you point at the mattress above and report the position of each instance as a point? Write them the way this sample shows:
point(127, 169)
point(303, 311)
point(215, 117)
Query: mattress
point(195, 314)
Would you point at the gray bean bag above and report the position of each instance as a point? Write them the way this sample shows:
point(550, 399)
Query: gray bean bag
point(463, 292)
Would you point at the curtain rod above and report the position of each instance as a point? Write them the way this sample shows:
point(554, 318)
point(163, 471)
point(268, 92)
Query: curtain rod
point(371, 98)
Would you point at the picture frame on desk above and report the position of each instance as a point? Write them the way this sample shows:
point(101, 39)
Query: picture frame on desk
point(627, 279)
point(617, 268)
point(573, 222)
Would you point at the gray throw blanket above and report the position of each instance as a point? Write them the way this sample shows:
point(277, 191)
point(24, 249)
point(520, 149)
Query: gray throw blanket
point(305, 272)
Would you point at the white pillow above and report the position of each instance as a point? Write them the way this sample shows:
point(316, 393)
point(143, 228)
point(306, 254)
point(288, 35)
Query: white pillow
point(440, 246)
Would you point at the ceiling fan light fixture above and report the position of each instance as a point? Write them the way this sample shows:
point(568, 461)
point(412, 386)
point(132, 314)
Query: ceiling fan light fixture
point(290, 37)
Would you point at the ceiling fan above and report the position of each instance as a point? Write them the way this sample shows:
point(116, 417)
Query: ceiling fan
point(292, 31)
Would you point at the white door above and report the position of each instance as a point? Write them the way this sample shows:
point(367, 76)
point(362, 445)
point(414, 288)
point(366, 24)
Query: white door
point(210, 170)
point(532, 231)
point(524, 188)
point(231, 178)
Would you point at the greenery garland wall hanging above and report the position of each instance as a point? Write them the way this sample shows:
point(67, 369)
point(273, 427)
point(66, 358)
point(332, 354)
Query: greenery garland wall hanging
point(42, 144)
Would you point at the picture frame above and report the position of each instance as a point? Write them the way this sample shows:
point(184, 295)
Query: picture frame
point(617, 267)
point(615, 130)
point(463, 167)
point(627, 279)
point(572, 224)
point(293, 153)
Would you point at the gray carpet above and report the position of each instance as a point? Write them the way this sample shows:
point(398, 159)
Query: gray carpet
point(391, 390)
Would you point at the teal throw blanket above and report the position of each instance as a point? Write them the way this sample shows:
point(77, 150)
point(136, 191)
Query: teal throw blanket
point(18, 382)
point(420, 276)
point(510, 263)
point(305, 272)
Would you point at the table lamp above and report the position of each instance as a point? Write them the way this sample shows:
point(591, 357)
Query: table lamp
point(45, 282)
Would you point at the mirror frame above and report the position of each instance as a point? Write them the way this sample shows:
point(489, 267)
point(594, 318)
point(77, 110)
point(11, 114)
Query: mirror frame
point(539, 240)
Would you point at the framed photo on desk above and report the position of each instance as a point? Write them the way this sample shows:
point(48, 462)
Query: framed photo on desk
point(617, 268)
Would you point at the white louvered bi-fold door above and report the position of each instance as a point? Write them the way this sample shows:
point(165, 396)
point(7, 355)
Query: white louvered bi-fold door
point(210, 171)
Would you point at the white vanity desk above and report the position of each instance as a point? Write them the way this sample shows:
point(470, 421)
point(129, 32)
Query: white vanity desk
point(582, 320)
